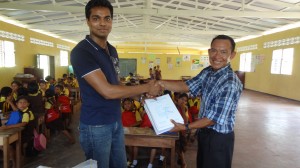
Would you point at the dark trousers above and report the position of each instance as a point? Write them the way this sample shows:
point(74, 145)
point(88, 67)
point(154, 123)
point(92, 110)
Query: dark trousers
point(215, 150)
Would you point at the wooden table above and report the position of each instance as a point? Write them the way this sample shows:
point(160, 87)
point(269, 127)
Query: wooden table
point(6, 138)
point(146, 137)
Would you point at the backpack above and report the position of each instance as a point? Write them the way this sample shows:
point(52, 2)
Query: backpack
point(52, 113)
point(65, 105)
point(39, 141)
point(15, 117)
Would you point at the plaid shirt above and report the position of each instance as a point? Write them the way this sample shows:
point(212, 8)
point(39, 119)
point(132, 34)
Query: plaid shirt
point(220, 92)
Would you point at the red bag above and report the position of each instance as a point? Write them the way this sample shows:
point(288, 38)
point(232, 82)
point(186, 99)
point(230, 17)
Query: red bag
point(51, 115)
point(65, 105)
point(40, 141)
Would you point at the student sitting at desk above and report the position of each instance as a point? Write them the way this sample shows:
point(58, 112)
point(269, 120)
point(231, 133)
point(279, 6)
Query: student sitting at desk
point(27, 122)
point(53, 119)
point(64, 103)
point(145, 123)
point(130, 117)
point(6, 101)
point(15, 85)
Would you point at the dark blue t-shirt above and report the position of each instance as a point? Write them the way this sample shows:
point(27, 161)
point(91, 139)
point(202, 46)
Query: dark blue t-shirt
point(86, 57)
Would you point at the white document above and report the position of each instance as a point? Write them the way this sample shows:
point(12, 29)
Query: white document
point(160, 111)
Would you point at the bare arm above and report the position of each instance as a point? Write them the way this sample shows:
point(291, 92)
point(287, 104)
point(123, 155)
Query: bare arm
point(9, 100)
point(176, 86)
point(23, 124)
point(99, 82)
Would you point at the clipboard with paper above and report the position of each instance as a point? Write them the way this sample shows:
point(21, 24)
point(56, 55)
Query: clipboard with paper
point(160, 111)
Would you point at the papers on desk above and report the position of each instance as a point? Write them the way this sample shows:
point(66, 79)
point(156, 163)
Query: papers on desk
point(160, 111)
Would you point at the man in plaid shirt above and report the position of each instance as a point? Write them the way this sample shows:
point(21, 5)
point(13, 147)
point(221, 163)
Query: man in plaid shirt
point(220, 90)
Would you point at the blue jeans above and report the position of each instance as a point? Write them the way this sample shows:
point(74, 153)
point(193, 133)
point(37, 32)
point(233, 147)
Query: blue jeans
point(104, 143)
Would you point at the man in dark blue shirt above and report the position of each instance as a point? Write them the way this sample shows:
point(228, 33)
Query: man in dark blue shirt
point(220, 90)
point(95, 63)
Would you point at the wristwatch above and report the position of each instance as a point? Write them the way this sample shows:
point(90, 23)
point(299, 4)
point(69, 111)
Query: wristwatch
point(187, 128)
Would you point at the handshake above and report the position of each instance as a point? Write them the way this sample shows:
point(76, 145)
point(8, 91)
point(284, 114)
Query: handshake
point(155, 88)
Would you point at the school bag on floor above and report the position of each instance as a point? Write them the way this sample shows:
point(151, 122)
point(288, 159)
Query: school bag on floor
point(39, 141)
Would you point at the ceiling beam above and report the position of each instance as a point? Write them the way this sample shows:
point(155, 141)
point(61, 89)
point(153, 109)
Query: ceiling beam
point(159, 12)
point(138, 30)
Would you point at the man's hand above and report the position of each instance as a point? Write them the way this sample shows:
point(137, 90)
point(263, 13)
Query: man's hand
point(154, 89)
point(177, 127)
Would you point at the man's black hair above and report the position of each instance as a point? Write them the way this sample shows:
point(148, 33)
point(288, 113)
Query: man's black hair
point(225, 37)
point(98, 3)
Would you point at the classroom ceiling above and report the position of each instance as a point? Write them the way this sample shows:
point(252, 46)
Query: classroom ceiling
point(191, 23)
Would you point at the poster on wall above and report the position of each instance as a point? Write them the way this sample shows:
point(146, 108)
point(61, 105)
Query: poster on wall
point(151, 64)
point(178, 62)
point(204, 59)
point(186, 57)
point(157, 60)
point(195, 64)
point(169, 60)
point(151, 57)
point(143, 59)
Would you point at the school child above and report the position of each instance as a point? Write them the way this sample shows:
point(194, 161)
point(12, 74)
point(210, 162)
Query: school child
point(35, 99)
point(65, 89)
point(51, 82)
point(71, 82)
point(53, 118)
point(74, 79)
point(193, 105)
point(15, 85)
point(64, 78)
point(6, 101)
point(64, 105)
point(43, 87)
point(181, 105)
point(145, 123)
point(130, 117)
point(27, 122)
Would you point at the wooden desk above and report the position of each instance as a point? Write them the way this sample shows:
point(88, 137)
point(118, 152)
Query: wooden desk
point(146, 137)
point(6, 138)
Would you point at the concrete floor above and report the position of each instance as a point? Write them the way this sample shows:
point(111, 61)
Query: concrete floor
point(267, 136)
